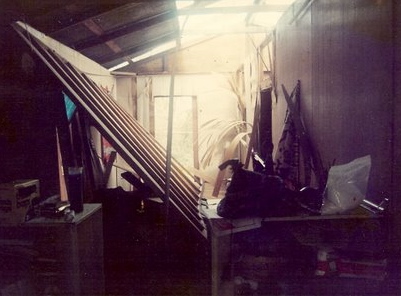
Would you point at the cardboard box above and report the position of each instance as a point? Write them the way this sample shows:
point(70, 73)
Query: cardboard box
point(15, 200)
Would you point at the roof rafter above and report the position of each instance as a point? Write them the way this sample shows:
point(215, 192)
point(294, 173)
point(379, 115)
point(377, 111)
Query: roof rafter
point(138, 49)
point(232, 9)
point(124, 30)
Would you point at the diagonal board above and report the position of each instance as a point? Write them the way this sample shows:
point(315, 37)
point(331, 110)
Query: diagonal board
point(307, 148)
point(135, 144)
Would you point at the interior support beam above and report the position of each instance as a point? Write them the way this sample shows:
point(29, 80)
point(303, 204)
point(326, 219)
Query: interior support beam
point(232, 9)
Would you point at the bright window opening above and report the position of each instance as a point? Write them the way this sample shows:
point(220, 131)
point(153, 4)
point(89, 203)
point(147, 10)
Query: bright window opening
point(184, 127)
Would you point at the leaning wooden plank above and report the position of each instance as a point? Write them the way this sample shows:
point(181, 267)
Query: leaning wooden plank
point(107, 114)
point(255, 129)
point(159, 164)
point(178, 173)
point(228, 154)
point(54, 66)
point(61, 174)
point(185, 208)
point(111, 126)
point(80, 92)
point(109, 166)
point(185, 177)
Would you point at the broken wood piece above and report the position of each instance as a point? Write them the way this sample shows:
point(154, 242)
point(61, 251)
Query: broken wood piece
point(228, 154)
point(305, 141)
point(109, 166)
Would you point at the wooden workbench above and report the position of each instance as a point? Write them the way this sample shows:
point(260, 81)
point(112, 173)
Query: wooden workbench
point(221, 232)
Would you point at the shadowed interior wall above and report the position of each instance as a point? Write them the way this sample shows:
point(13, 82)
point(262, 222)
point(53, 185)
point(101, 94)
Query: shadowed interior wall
point(31, 105)
point(342, 52)
point(396, 164)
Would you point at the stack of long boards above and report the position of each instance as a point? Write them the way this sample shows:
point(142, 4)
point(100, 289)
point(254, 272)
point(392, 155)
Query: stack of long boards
point(135, 144)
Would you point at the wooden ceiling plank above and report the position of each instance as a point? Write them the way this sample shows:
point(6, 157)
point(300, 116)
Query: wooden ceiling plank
point(96, 29)
point(138, 49)
point(124, 30)
point(69, 14)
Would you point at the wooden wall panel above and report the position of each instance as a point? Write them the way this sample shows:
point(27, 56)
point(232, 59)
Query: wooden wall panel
point(396, 164)
point(352, 84)
point(342, 53)
point(293, 62)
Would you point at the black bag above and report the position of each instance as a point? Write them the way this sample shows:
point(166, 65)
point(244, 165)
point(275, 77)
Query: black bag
point(251, 194)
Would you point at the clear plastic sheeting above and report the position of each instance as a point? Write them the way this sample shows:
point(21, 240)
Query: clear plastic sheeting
point(346, 186)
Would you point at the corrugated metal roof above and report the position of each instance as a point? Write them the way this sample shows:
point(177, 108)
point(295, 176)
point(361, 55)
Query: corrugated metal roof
point(108, 32)
point(111, 32)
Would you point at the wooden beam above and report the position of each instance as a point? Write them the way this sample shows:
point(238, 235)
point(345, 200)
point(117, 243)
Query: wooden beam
point(98, 31)
point(195, 132)
point(233, 9)
point(145, 46)
point(126, 29)
point(51, 16)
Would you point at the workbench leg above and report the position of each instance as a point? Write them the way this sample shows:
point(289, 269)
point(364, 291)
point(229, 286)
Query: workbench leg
point(221, 253)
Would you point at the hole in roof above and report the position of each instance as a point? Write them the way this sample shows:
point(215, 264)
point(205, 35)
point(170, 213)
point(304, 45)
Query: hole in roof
point(204, 19)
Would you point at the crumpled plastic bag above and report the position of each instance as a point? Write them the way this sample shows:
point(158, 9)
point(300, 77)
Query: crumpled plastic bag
point(346, 186)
